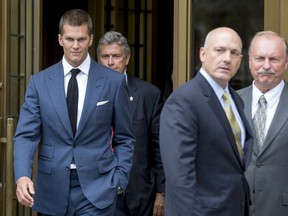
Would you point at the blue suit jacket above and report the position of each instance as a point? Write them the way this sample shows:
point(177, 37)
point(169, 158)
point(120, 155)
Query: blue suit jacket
point(102, 147)
point(204, 174)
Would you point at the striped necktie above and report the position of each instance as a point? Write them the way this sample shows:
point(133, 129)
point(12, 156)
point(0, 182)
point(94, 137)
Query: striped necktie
point(259, 121)
point(233, 123)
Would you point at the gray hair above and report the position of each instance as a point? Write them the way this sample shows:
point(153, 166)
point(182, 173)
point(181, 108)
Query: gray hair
point(263, 33)
point(112, 37)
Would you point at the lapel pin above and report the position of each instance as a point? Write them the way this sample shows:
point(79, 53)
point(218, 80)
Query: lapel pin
point(131, 98)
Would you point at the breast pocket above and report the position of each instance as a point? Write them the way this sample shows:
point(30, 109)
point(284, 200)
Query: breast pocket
point(103, 113)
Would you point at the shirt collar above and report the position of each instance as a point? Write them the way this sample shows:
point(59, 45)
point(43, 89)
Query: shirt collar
point(272, 96)
point(84, 67)
point(216, 87)
point(126, 77)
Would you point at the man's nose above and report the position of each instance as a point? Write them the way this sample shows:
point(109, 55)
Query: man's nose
point(110, 60)
point(75, 44)
point(227, 56)
point(266, 64)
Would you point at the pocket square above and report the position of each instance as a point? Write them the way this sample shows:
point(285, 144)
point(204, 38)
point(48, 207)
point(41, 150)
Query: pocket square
point(100, 103)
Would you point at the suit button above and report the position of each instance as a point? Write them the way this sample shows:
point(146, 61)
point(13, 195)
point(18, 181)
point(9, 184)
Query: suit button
point(258, 164)
point(119, 191)
point(243, 204)
point(67, 168)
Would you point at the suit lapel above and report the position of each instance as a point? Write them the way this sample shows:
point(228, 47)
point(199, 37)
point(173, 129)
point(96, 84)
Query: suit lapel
point(55, 87)
point(133, 95)
point(95, 84)
point(217, 108)
point(247, 98)
point(248, 143)
point(279, 119)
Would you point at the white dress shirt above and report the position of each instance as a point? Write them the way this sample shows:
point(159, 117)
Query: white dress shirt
point(272, 97)
point(82, 79)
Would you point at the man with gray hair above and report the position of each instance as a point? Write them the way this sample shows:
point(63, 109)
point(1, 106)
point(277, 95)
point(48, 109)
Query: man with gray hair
point(266, 102)
point(145, 192)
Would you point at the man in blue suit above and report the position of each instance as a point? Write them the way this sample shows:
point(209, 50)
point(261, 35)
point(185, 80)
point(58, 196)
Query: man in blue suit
point(81, 173)
point(204, 160)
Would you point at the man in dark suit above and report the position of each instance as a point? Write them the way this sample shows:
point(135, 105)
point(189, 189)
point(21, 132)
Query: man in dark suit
point(81, 172)
point(204, 159)
point(145, 192)
point(267, 173)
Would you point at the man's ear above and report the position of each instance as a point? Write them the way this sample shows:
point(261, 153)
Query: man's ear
point(202, 53)
point(60, 40)
point(127, 59)
point(91, 39)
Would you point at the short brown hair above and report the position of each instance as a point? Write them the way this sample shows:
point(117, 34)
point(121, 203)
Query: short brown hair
point(76, 17)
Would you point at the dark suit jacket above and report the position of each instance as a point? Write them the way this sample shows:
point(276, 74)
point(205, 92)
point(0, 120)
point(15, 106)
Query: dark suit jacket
point(103, 157)
point(204, 174)
point(267, 173)
point(147, 176)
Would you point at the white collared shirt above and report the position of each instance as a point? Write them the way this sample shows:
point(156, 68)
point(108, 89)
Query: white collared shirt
point(272, 97)
point(82, 79)
point(219, 91)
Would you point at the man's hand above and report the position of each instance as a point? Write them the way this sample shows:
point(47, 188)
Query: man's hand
point(25, 191)
point(158, 209)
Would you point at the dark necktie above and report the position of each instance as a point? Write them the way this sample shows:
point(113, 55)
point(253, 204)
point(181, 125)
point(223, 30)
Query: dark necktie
point(72, 99)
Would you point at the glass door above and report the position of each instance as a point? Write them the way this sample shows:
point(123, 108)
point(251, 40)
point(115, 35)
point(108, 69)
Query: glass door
point(194, 18)
point(246, 17)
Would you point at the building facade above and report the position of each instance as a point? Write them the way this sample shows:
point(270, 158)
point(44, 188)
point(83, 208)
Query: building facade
point(164, 36)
